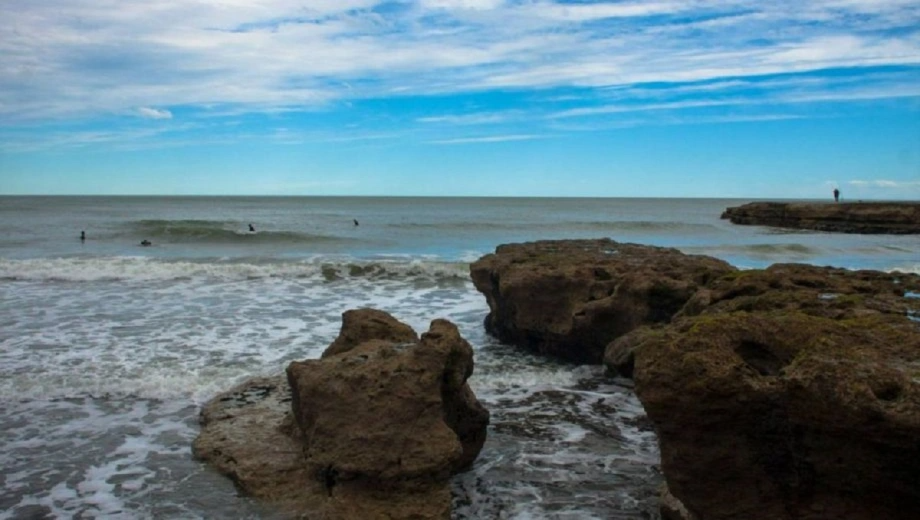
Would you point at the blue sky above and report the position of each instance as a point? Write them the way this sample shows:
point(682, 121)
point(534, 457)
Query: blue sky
point(692, 98)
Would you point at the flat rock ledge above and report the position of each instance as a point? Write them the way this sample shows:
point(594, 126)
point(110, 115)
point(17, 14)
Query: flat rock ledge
point(849, 217)
point(373, 430)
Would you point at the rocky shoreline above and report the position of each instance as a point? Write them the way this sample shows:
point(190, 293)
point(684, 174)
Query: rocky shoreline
point(895, 218)
point(791, 392)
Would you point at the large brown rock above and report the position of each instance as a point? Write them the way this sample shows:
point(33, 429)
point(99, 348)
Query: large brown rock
point(570, 298)
point(770, 409)
point(372, 430)
point(858, 217)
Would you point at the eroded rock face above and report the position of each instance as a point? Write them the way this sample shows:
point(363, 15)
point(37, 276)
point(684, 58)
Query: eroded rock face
point(570, 298)
point(860, 217)
point(789, 393)
point(372, 430)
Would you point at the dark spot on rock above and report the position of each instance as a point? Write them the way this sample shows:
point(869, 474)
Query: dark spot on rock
point(887, 390)
point(760, 358)
point(328, 476)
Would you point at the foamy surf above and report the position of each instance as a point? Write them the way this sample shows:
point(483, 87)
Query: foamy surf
point(116, 370)
point(143, 268)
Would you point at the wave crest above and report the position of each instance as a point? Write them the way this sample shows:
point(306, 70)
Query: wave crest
point(214, 231)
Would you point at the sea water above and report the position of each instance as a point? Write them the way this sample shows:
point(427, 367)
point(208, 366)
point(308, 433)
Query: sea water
point(108, 348)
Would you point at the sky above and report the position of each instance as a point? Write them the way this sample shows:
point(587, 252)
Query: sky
point(660, 98)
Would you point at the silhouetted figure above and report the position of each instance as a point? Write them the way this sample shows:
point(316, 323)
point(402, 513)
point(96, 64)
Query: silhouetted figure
point(82, 236)
point(356, 221)
point(252, 229)
point(146, 242)
point(836, 195)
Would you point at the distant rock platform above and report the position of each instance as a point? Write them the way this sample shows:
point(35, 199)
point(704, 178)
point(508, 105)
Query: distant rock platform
point(895, 218)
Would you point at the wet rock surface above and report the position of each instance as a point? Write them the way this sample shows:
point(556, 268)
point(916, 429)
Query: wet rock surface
point(247, 434)
point(850, 217)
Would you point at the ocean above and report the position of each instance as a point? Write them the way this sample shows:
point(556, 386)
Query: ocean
point(108, 348)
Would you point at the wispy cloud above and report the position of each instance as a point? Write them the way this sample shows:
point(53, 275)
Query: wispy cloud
point(475, 118)
point(154, 113)
point(883, 183)
point(94, 58)
point(489, 139)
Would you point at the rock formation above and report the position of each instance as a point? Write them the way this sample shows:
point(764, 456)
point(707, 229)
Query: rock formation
point(858, 217)
point(779, 415)
point(787, 393)
point(372, 430)
point(570, 298)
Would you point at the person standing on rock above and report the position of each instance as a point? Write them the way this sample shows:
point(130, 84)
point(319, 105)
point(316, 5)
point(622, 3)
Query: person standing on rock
point(836, 195)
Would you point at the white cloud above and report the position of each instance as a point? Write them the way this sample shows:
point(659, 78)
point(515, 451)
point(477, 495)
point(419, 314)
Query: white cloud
point(616, 109)
point(490, 139)
point(883, 183)
point(476, 118)
point(72, 58)
point(478, 5)
point(154, 113)
point(602, 10)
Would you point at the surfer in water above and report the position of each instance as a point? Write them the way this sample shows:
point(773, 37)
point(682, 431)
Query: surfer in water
point(146, 242)
point(252, 229)
point(82, 236)
point(356, 221)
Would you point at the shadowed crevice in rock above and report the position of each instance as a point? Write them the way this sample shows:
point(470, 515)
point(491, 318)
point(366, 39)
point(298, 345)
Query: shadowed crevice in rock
point(759, 357)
